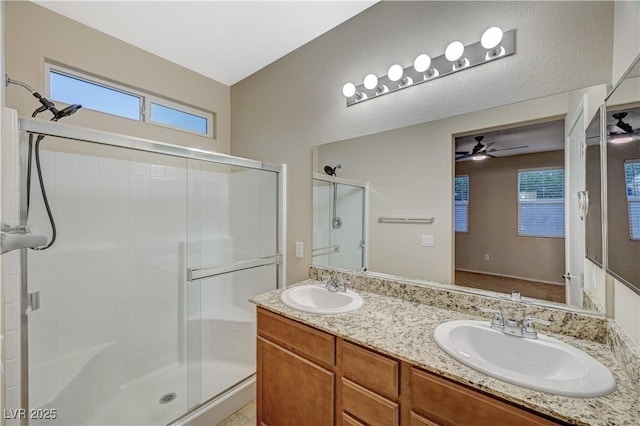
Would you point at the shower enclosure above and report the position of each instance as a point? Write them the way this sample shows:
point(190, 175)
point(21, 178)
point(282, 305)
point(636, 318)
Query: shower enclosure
point(138, 314)
point(339, 222)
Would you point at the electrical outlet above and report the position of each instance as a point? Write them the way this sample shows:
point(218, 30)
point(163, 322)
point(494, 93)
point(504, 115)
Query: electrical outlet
point(427, 241)
point(299, 250)
point(487, 257)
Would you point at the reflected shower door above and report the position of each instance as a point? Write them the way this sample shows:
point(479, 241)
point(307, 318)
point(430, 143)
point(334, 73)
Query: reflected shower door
point(233, 255)
point(106, 346)
point(338, 225)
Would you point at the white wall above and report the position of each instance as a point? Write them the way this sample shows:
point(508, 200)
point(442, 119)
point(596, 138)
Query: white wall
point(283, 110)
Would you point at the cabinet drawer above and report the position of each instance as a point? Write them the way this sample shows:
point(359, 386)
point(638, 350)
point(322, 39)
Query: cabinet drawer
point(304, 340)
point(347, 420)
point(292, 390)
point(448, 403)
point(368, 406)
point(417, 420)
point(375, 372)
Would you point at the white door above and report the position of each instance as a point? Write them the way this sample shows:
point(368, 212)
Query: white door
point(574, 224)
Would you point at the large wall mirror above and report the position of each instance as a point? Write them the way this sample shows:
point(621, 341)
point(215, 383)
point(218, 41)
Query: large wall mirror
point(494, 225)
point(623, 180)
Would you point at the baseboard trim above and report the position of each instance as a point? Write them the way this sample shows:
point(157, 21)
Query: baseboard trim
point(508, 276)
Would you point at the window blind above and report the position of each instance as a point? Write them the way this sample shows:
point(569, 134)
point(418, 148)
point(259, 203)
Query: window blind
point(632, 180)
point(461, 202)
point(541, 203)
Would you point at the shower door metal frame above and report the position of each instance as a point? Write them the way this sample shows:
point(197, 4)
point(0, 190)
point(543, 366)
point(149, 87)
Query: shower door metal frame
point(82, 134)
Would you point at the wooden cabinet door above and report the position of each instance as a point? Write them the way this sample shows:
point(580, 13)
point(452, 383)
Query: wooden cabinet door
point(292, 391)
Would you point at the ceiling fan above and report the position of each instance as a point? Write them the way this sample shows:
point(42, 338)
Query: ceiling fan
point(481, 151)
point(622, 131)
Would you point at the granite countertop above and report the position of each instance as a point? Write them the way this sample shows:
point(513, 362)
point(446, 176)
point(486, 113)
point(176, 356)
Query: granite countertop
point(403, 330)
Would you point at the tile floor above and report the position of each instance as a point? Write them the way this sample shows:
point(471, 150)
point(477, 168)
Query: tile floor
point(246, 416)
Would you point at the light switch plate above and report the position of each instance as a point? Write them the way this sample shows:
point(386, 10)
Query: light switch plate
point(427, 241)
point(299, 250)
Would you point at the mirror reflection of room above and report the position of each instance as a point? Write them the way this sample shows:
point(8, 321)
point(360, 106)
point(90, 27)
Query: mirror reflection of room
point(509, 210)
point(623, 193)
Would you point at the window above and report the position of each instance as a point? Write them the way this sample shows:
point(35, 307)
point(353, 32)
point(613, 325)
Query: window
point(541, 203)
point(71, 87)
point(461, 202)
point(632, 179)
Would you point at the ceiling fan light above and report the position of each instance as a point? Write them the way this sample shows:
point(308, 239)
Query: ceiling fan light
point(479, 157)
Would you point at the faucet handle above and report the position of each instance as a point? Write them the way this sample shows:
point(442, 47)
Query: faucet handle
point(528, 330)
point(498, 320)
point(329, 283)
point(342, 284)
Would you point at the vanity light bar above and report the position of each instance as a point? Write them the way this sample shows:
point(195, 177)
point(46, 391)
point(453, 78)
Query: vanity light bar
point(457, 57)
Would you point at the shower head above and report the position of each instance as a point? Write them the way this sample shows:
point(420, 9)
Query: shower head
point(70, 110)
point(46, 103)
point(331, 171)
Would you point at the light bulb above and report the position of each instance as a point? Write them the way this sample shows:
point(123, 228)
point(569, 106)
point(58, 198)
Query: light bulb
point(370, 81)
point(395, 72)
point(479, 157)
point(349, 90)
point(491, 38)
point(623, 139)
point(454, 51)
point(422, 63)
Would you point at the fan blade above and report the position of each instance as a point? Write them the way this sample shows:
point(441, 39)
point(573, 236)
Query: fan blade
point(506, 149)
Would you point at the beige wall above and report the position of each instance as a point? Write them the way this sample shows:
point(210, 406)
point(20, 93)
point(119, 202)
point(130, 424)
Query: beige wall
point(35, 34)
point(283, 110)
point(493, 222)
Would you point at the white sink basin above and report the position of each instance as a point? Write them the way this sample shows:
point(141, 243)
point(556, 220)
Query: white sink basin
point(545, 364)
point(316, 299)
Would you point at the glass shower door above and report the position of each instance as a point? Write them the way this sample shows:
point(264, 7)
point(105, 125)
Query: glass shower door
point(106, 344)
point(338, 225)
point(233, 255)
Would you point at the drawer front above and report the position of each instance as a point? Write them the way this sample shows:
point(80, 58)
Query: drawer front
point(291, 390)
point(417, 420)
point(347, 420)
point(375, 372)
point(371, 408)
point(304, 340)
point(448, 403)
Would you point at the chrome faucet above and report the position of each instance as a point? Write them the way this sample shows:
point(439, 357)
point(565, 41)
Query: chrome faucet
point(497, 323)
point(514, 327)
point(333, 285)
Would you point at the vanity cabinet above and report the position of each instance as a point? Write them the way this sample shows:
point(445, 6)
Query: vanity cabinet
point(369, 386)
point(438, 401)
point(309, 377)
point(296, 381)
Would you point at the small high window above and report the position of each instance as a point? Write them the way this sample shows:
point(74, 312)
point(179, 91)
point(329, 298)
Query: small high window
point(541, 203)
point(72, 87)
point(461, 203)
point(632, 180)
